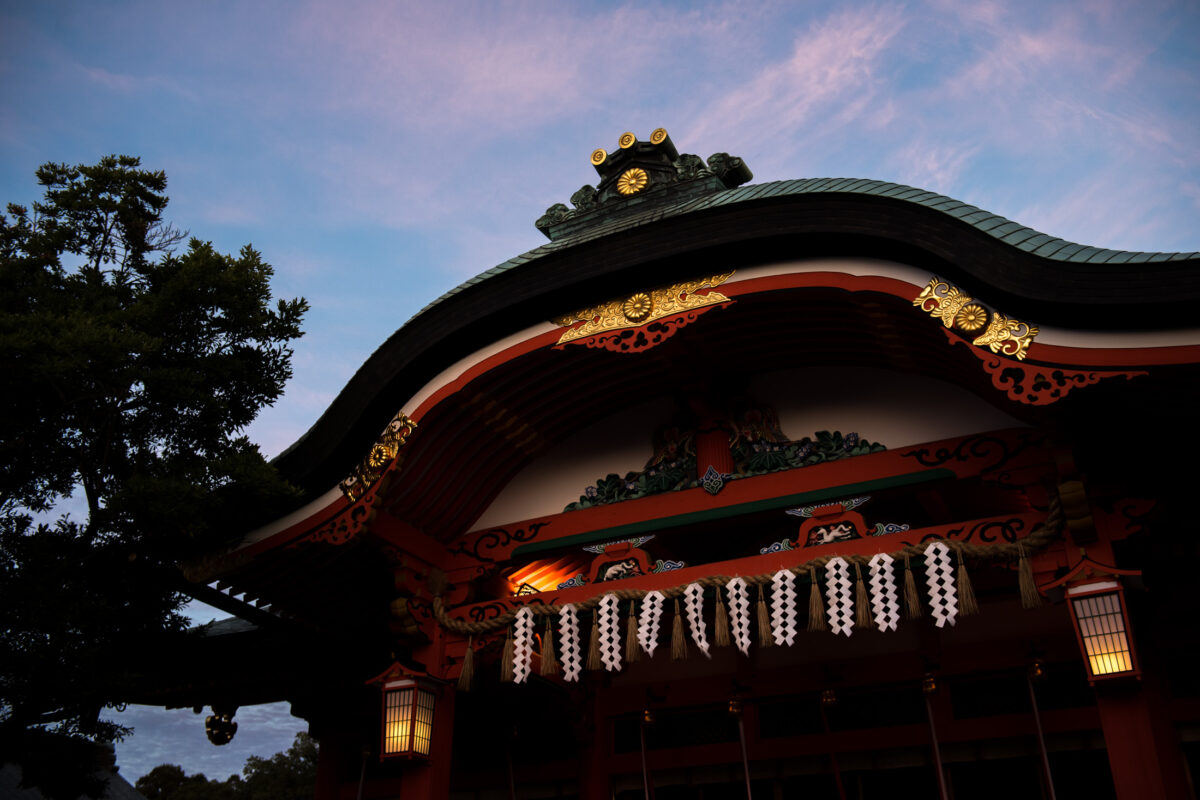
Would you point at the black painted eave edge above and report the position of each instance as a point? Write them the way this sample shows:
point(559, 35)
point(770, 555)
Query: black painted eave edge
point(1155, 295)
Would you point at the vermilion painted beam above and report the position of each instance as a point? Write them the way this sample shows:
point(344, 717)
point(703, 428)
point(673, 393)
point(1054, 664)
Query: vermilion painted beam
point(1012, 450)
point(750, 565)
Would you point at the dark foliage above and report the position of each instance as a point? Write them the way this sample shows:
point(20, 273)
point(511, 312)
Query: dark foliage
point(285, 776)
point(129, 371)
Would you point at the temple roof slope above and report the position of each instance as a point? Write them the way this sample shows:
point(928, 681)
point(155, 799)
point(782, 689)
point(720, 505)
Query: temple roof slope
point(656, 237)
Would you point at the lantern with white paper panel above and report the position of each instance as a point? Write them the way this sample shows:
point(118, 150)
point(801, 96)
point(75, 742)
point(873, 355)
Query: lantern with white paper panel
point(407, 719)
point(409, 700)
point(1102, 624)
point(1096, 599)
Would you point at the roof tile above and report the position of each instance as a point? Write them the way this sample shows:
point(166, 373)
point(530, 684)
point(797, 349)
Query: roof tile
point(1012, 233)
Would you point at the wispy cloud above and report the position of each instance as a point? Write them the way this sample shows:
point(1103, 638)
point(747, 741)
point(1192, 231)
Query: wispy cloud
point(933, 165)
point(832, 73)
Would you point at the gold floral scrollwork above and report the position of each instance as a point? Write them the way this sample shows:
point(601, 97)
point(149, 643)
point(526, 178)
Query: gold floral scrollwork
point(1007, 336)
point(381, 455)
point(957, 309)
point(942, 300)
point(642, 308)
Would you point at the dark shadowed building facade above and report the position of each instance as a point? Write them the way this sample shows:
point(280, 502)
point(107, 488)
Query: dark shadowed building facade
point(821, 487)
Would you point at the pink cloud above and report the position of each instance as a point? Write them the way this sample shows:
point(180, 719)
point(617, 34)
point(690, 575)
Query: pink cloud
point(504, 67)
point(833, 69)
point(933, 165)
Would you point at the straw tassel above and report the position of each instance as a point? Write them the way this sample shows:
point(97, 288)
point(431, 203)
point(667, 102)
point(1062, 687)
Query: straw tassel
point(1029, 593)
point(506, 661)
point(593, 656)
point(468, 667)
point(721, 622)
point(967, 604)
point(549, 663)
point(912, 601)
point(816, 606)
point(863, 619)
point(633, 650)
point(678, 642)
point(766, 637)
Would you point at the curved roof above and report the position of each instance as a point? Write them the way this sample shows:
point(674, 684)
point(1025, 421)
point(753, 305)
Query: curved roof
point(1011, 233)
point(1031, 275)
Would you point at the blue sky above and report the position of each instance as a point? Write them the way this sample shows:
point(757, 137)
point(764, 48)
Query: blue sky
point(379, 153)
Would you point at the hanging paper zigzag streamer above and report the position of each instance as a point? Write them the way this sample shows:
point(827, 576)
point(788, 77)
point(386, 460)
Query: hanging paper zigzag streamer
point(939, 575)
point(839, 596)
point(739, 614)
point(610, 633)
point(522, 644)
point(694, 602)
point(884, 600)
point(652, 605)
point(783, 607)
point(568, 633)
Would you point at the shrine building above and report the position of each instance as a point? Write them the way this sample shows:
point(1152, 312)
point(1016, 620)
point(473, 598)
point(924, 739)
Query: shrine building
point(823, 488)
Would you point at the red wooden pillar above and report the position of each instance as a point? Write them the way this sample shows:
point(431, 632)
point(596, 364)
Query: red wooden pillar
point(431, 779)
point(712, 448)
point(594, 780)
point(1143, 746)
point(334, 757)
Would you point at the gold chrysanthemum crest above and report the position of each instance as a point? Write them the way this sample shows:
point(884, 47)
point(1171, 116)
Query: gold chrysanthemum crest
point(637, 307)
point(642, 308)
point(957, 309)
point(382, 453)
point(971, 318)
point(632, 181)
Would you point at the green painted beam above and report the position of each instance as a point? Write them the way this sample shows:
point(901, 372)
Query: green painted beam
point(843, 491)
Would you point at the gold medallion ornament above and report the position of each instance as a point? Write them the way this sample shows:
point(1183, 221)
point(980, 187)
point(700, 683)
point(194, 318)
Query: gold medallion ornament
point(659, 136)
point(598, 156)
point(971, 317)
point(632, 181)
point(957, 309)
point(641, 308)
point(627, 140)
point(637, 307)
point(381, 454)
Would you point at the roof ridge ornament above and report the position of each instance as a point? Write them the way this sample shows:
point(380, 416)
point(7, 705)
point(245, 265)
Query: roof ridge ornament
point(640, 175)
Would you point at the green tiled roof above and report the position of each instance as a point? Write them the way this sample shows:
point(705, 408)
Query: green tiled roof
point(1011, 233)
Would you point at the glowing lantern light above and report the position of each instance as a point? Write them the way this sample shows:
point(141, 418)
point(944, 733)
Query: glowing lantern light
point(1096, 599)
point(409, 701)
point(1102, 624)
point(407, 719)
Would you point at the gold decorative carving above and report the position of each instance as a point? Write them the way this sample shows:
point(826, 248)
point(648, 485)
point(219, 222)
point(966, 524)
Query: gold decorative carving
point(659, 136)
point(663, 302)
point(957, 309)
point(381, 455)
point(1007, 336)
point(632, 181)
point(971, 318)
point(637, 307)
point(598, 156)
point(627, 140)
point(942, 300)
